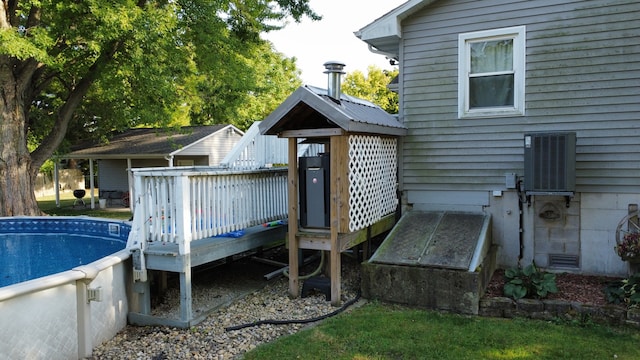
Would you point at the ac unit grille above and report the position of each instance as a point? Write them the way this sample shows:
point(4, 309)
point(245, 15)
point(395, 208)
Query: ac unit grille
point(550, 162)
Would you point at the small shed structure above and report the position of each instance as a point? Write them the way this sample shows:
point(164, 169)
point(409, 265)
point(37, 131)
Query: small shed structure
point(348, 194)
point(153, 147)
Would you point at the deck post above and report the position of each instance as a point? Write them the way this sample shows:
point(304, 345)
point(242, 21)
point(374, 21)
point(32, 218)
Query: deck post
point(334, 256)
point(183, 232)
point(293, 218)
point(185, 290)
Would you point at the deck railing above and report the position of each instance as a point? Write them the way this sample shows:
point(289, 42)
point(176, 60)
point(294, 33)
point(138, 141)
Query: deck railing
point(255, 151)
point(182, 204)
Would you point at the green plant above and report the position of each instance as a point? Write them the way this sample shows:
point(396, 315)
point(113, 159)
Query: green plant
point(625, 291)
point(529, 282)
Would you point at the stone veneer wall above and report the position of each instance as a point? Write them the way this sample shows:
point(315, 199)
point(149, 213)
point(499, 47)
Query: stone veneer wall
point(554, 309)
point(433, 288)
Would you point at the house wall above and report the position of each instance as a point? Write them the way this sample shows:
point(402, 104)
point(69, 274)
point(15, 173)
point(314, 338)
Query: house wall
point(582, 75)
point(216, 146)
point(112, 175)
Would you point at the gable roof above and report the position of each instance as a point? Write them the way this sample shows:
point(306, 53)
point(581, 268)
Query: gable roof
point(310, 108)
point(148, 142)
point(383, 34)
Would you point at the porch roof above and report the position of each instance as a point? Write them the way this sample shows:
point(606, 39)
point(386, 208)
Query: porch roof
point(310, 108)
point(147, 143)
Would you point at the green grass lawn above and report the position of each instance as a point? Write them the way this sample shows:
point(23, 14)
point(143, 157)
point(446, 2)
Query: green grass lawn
point(48, 205)
point(382, 331)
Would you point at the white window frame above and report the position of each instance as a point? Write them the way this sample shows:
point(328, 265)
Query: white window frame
point(518, 34)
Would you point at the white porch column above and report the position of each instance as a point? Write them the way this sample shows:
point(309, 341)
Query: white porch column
point(183, 232)
point(56, 181)
point(91, 184)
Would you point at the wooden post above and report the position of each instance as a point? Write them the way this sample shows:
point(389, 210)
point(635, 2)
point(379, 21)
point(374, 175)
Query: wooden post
point(634, 219)
point(293, 218)
point(186, 311)
point(337, 151)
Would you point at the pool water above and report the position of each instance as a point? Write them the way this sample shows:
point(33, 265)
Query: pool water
point(29, 256)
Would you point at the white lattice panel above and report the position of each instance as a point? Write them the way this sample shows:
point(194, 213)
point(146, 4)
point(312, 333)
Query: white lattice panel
point(372, 179)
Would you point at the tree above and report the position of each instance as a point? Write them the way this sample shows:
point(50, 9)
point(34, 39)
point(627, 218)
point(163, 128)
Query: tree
point(373, 87)
point(271, 76)
point(95, 66)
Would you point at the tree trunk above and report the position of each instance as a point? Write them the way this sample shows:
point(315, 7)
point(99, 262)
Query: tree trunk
point(17, 177)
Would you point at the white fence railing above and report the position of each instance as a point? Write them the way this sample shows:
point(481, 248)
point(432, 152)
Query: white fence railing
point(256, 151)
point(181, 204)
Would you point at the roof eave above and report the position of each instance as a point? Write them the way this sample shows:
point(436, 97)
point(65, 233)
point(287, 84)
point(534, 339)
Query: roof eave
point(357, 127)
point(204, 138)
point(384, 33)
point(305, 95)
point(98, 156)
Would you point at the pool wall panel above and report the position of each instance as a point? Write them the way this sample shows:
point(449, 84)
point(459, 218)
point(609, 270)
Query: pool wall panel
point(39, 318)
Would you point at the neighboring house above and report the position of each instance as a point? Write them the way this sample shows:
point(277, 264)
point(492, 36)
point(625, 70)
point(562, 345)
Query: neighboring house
point(477, 76)
point(145, 147)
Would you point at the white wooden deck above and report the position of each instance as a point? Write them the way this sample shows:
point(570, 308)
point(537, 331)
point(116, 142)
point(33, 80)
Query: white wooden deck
point(181, 214)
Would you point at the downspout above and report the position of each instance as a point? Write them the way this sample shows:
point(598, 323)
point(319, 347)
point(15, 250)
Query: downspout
point(169, 158)
point(130, 184)
point(521, 199)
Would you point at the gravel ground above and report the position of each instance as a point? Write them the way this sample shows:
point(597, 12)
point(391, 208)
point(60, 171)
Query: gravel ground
point(240, 295)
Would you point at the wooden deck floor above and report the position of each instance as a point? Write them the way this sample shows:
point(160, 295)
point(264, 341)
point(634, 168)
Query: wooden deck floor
point(165, 256)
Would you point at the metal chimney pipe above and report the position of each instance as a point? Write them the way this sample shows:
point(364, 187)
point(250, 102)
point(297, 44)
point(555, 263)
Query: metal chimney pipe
point(334, 71)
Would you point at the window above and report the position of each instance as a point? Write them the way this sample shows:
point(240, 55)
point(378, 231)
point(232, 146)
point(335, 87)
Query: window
point(491, 66)
point(184, 162)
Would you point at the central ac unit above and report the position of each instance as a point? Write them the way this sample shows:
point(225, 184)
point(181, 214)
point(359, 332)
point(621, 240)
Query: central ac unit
point(550, 163)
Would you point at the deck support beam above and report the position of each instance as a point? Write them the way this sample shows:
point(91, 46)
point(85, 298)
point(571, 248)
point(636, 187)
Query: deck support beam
point(185, 290)
point(336, 157)
point(294, 263)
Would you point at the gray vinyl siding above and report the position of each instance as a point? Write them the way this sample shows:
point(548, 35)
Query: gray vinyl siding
point(582, 75)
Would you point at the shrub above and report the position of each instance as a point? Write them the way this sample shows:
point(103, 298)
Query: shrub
point(625, 291)
point(529, 282)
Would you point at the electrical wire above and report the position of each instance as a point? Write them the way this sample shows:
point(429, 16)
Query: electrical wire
point(294, 321)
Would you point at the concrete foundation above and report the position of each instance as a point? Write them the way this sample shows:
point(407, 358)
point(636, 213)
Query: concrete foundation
point(434, 288)
point(437, 260)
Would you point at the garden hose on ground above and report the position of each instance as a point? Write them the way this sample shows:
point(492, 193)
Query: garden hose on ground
point(300, 321)
point(314, 273)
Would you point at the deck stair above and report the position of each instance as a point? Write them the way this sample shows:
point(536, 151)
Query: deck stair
point(441, 260)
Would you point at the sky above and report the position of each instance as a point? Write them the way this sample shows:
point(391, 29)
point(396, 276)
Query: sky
point(313, 43)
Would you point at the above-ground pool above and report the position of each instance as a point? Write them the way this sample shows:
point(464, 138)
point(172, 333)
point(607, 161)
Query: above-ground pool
point(29, 256)
point(63, 285)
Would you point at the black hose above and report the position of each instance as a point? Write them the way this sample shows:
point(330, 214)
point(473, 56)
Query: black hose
point(293, 321)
